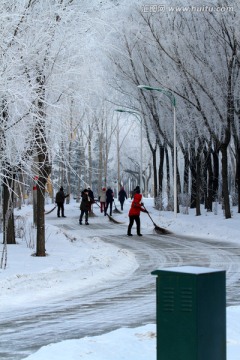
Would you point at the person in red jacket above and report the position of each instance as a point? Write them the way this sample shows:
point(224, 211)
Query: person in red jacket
point(134, 213)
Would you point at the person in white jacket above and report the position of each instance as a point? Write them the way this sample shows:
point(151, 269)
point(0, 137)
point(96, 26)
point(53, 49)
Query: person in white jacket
point(102, 199)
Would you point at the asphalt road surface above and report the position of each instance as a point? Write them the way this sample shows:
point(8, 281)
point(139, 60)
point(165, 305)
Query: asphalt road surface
point(122, 303)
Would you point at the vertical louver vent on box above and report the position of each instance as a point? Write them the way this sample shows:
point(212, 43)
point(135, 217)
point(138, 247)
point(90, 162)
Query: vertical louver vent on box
point(168, 299)
point(186, 302)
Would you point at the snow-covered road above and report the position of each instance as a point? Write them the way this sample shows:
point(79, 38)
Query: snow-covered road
point(120, 303)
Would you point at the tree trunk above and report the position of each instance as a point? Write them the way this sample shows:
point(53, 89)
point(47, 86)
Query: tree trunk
point(160, 170)
point(167, 173)
point(179, 190)
point(198, 184)
point(193, 178)
point(210, 194)
point(40, 218)
point(186, 173)
point(148, 178)
point(225, 191)
point(69, 171)
point(208, 179)
point(8, 216)
point(90, 165)
point(227, 134)
point(20, 190)
point(100, 164)
point(215, 174)
point(155, 186)
point(44, 168)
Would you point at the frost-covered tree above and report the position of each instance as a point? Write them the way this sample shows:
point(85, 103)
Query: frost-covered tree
point(40, 62)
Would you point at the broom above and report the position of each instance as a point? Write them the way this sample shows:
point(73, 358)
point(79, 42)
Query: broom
point(109, 217)
point(158, 229)
point(49, 212)
point(116, 209)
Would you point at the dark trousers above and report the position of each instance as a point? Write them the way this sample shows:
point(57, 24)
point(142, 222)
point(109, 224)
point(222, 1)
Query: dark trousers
point(131, 221)
point(108, 203)
point(122, 202)
point(86, 215)
point(60, 208)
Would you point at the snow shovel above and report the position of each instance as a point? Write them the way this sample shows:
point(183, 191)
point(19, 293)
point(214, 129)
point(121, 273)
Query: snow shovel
point(109, 217)
point(158, 229)
point(116, 209)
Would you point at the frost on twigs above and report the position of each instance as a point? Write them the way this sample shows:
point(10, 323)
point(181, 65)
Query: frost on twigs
point(25, 231)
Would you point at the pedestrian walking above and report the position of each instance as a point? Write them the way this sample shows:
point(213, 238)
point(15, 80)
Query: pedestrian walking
point(85, 206)
point(122, 195)
point(134, 212)
point(109, 200)
point(59, 200)
point(102, 199)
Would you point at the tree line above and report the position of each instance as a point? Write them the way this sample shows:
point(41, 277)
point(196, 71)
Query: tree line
point(195, 57)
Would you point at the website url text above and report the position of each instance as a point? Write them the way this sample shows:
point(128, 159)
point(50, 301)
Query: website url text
point(161, 8)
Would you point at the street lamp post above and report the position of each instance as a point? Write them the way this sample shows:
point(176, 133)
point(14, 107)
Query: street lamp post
point(171, 97)
point(137, 115)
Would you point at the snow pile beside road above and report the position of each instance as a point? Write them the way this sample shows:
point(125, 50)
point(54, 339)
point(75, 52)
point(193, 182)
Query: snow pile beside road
point(79, 265)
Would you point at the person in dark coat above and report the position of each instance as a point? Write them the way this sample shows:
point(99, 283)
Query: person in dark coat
point(85, 206)
point(91, 195)
point(109, 200)
point(122, 196)
point(134, 213)
point(60, 199)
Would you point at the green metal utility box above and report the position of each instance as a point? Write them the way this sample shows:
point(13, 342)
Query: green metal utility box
point(191, 313)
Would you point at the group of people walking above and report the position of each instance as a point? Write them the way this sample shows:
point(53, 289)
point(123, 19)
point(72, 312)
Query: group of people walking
point(106, 199)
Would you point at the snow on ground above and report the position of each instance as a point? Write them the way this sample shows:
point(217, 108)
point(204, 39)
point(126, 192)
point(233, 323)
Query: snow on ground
point(79, 260)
